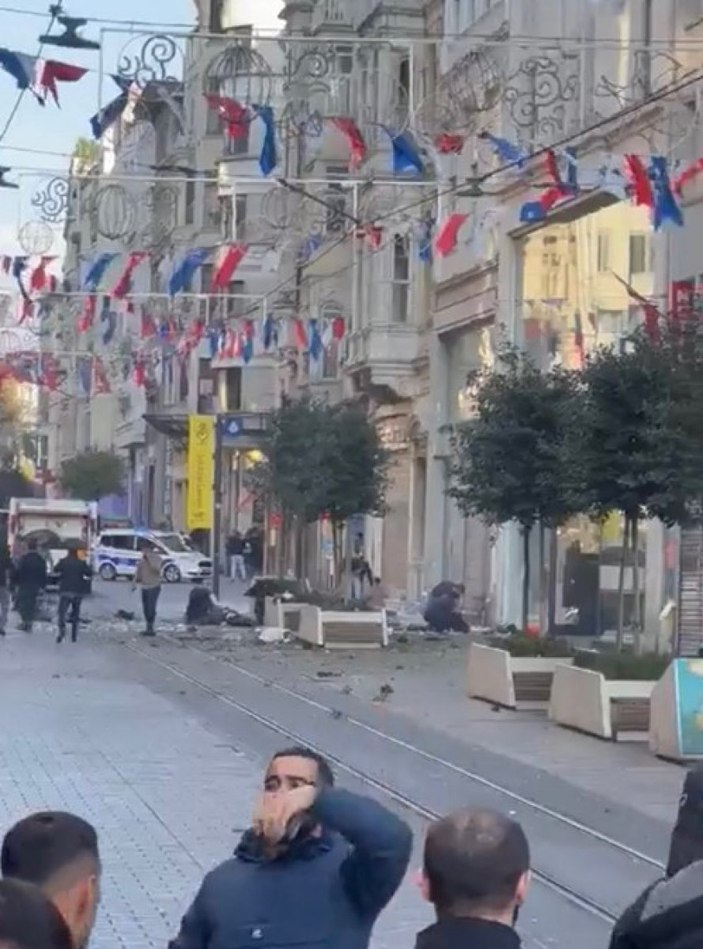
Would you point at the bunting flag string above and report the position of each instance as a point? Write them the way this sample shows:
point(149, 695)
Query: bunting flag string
point(110, 113)
point(235, 117)
point(227, 267)
point(124, 284)
point(506, 150)
point(268, 159)
point(448, 234)
point(639, 179)
point(186, 270)
point(447, 143)
point(652, 315)
point(357, 144)
point(406, 156)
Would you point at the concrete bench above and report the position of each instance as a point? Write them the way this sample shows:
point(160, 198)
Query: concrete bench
point(336, 629)
point(588, 702)
point(282, 614)
point(495, 676)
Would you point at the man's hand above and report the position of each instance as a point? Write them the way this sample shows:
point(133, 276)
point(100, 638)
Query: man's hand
point(275, 812)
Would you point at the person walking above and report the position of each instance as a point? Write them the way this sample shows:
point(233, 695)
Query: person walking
point(6, 570)
point(315, 870)
point(669, 913)
point(30, 579)
point(148, 577)
point(58, 852)
point(476, 874)
point(235, 555)
point(73, 574)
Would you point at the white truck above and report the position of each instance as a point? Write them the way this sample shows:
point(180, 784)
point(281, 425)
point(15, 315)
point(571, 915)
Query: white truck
point(57, 525)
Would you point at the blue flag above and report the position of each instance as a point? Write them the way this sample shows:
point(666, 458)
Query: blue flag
point(406, 156)
point(268, 159)
point(665, 207)
point(97, 270)
point(184, 272)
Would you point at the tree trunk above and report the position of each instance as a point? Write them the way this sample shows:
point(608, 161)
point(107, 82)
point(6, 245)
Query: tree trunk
point(552, 591)
point(337, 553)
point(637, 607)
point(543, 606)
point(621, 584)
point(299, 529)
point(526, 532)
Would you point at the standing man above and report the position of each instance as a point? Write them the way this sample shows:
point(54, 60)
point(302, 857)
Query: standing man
point(6, 569)
point(235, 555)
point(148, 577)
point(476, 875)
point(58, 852)
point(30, 580)
point(73, 574)
point(316, 868)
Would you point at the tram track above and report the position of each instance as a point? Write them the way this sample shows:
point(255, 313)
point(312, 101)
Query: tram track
point(596, 908)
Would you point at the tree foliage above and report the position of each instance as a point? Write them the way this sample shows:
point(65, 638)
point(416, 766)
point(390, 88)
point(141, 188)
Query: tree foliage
point(510, 460)
point(93, 475)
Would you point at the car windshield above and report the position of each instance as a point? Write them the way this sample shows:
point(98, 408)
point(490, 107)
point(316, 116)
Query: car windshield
point(175, 542)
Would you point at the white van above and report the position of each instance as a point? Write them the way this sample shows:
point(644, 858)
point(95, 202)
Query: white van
point(118, 552)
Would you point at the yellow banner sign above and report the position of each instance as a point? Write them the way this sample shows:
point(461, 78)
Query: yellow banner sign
point(201, 472)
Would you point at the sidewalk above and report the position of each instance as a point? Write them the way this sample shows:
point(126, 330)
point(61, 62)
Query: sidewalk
point(427, 682)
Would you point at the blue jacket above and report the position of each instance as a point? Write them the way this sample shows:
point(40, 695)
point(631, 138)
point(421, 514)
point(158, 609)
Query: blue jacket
point(326, 893)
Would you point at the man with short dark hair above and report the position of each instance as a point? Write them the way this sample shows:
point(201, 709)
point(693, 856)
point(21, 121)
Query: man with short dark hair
point(316, 868)
point(30, 579)
point(476, 874)
point(58, 852)
point(28, 920)
point(73, 574)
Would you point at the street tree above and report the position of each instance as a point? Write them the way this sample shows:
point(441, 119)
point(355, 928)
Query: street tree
point(510, 459)
point(93, 475)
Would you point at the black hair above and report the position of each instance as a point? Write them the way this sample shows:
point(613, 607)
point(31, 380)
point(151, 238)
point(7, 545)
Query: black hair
point(474, 861)
point(29, 920)
point(324, 771)
point(40, 846)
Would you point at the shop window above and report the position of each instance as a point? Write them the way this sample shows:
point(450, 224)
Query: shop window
point(401, 279)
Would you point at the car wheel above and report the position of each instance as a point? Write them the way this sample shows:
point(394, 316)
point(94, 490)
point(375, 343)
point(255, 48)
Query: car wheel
point(172, 574)
point(107, 571)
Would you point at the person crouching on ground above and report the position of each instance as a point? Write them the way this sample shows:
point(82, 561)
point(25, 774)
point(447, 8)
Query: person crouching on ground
point(476, 874)
point(316, 868)
point(58, 852)
point(74, 575)
point(148, 577)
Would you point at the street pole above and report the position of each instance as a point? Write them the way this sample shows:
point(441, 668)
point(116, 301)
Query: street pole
point(216, 540)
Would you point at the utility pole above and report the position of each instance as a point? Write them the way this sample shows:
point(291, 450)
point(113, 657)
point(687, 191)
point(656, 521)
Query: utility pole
point(216, 539)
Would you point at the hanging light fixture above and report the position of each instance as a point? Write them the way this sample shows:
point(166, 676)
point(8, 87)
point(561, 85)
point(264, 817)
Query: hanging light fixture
point(3, 183)
point(70, 38)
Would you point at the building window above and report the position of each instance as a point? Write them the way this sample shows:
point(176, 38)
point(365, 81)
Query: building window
point(603, 252)
point(336, 200)
point(236, 306)
point(640, 254)
point(401, 279)
point(232, 390)
point(236, 147)
point(190, 202)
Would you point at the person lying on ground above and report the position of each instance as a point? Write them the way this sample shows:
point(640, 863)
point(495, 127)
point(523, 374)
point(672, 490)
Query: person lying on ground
point(58, 852)
point(316, 868)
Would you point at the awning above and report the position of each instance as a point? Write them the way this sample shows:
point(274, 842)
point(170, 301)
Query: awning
point(173, 426)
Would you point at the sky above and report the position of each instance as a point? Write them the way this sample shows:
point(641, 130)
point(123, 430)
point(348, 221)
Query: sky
point(56, 129)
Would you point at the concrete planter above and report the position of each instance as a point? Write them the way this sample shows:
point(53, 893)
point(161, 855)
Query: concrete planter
point(588, 702)
point(333, 629)
point(282, 614)
point(495, 676)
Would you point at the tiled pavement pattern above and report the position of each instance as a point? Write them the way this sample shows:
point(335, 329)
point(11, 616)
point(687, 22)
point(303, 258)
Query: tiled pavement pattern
point(168, 796)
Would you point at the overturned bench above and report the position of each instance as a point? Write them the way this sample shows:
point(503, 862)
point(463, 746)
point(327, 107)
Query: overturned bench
point(495, 676)
point(586, 701)
point(337, 629)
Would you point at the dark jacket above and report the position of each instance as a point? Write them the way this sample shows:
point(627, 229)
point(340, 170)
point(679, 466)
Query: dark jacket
point(454, 933)
point(668, 915)
point(325, 892)
point(31, 570)
point(6, 567)
point(235, 545)
point(73, 574)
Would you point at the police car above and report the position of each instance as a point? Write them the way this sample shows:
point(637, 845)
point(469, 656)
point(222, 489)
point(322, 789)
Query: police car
point(117, 553)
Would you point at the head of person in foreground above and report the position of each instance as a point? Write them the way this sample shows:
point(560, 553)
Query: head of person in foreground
point(476, 866)
point(58, 852)
point(29, 920)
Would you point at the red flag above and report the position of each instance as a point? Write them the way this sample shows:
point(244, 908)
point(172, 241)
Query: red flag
point(139, 373)
point(87, 317)
point(124, 284)
point(231, 348)
point(49, 374)
point(639, 179)
point(688, 174)
point(101, 385)
point(26, 311)
point(148, 326)
point(38, 280)
point(234, 116)
point(228, 265)
point(551, 196)
point(338, 327)
point(374, 235)
point(448, 234)
point(553, 167)
point(299, 333)
point(448, 144)
point(357, 145)
point(196, 331)
point(51, 72)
